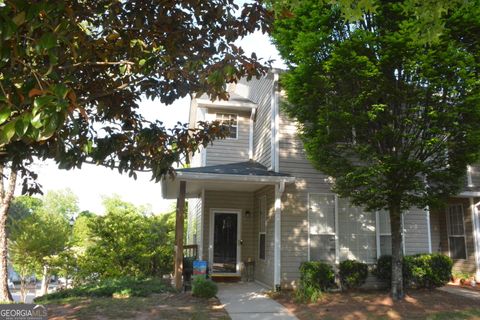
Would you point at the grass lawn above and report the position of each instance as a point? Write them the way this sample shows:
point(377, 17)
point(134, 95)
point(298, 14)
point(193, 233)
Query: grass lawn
point(359, 305)
point(167, 305)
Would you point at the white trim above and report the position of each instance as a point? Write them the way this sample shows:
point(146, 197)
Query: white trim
point(429, 232)
point(404, 240)
point(279, 189)
point(250, 135)
point(276, 97)
point(202, 221)
point(337, 242)
point(377, 233)
point(224, 104)
point(476, 237)
point(469, 194)
point(232, 177)
point(469, 177)
point(272, 125)
point(238, 212)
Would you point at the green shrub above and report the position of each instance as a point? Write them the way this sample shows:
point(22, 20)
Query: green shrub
point(383, 269)
point(421, 270)
point(108, 288)
point(315, 277)
point(204, 288)
point(352, 273)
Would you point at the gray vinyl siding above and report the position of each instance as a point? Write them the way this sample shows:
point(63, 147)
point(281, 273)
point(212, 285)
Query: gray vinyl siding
point(416, 235)
point(194, 221)
point(264, 268)
point(435, 232)
point(225, 151)
point(242, 201)
point(260, 92)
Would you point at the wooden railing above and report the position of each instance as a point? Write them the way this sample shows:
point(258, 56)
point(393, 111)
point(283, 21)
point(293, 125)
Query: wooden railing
point(190, 250)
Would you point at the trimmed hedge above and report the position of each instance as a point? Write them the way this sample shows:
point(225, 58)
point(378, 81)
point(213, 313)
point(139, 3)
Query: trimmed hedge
point(204, 288)
point(352, 273)
point(315, 277)
point(421, 270)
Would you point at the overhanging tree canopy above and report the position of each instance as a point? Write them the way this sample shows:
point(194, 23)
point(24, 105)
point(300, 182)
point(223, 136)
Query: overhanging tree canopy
point(73, 72)
point(392, 116)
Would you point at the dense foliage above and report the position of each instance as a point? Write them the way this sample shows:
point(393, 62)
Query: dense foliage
point(352, 273)
point(393, 119)
point(315, 278)
point(204, 288)
point(127, 242)
point(420, 271)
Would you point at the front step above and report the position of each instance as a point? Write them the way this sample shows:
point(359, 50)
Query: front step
point(222, 278)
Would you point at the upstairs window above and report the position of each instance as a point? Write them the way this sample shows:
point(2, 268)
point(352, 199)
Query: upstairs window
point(230, 120)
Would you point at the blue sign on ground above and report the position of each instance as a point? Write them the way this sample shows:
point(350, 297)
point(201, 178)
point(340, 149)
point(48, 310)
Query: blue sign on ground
point(200, 268)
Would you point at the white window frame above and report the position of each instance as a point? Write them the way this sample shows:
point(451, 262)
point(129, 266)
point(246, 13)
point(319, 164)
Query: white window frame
point(223, 114)
point(335, 234)
point(447, 217)
point(262, 204)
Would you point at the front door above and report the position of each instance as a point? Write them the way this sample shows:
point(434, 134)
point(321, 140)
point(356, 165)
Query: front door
point(225, 243)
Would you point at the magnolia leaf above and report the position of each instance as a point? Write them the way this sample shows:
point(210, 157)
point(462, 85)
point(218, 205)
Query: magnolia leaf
point(4, 114)
point(19, 19)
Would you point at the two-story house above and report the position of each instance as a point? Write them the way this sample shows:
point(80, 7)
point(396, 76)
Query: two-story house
point(254, 197)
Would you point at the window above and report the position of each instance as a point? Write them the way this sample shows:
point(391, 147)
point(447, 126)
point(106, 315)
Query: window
point(322, 227)
point(230, 121)
point(262, 223)
point(456, 232)
point(356, 234)
point(385, 233)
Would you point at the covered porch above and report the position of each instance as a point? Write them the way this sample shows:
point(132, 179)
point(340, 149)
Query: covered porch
point(224, 214)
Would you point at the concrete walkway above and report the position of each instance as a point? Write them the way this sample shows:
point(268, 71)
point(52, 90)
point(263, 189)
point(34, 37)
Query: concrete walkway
point(461, 292)
point(247, 301)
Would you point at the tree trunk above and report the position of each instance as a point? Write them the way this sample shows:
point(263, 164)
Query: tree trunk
point(6, 197)
point(23, 289)
point(397, 252)
point(45, 281)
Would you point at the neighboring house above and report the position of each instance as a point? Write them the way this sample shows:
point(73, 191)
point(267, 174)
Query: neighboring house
point(255, 197)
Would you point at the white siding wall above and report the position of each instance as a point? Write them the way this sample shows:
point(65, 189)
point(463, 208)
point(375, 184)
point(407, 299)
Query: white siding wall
point(229, 150)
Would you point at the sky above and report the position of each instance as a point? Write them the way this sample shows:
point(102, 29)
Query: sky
point(92, 183)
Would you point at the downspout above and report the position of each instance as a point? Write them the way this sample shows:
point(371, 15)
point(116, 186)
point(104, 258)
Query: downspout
point(274, 123)
point(250, 136)
point(429, 231)
point(279, 189)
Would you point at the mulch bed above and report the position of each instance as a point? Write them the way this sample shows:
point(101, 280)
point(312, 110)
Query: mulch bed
point(418, 304)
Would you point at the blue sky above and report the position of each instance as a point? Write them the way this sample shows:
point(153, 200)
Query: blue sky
point(91, 183)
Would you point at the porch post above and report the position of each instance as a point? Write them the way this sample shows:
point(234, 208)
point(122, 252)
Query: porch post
point(476, 236)
point(279, 188)
point(179, 236)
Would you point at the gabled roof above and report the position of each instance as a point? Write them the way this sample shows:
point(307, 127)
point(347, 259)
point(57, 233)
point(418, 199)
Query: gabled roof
point(248, 168)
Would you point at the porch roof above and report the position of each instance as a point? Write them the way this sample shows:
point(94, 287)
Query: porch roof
point(235, 101)
point(240, 176)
